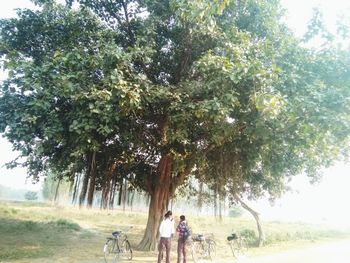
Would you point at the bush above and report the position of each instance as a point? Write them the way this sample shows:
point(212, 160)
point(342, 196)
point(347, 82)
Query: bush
point(272, 238)
point(31, 196)
point(29, 225)
point(65, 224)
point(235, 212)
point(250, 237)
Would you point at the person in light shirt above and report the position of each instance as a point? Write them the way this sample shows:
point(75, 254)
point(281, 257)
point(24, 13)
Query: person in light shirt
point(166, 232)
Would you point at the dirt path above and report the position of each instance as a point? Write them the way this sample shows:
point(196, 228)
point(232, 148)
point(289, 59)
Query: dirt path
point(335, 252)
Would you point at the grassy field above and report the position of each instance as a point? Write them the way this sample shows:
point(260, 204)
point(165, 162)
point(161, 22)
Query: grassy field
point(36, 232)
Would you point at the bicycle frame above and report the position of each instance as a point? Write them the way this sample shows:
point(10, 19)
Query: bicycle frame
point(203, 247)
point(237, 244)
point(116, 245)
point(118, 236)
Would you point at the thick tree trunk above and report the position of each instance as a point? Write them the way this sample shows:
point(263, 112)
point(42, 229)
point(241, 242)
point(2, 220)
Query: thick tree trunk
point(160, 196)
point(257, 219)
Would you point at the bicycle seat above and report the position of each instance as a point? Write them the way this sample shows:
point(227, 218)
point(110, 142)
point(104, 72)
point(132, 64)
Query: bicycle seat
point(116, 233)
point(232, 237)
point(199, 237)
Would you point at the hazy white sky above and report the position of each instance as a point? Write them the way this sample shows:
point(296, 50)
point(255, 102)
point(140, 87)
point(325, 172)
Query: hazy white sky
point(325, 202)
point(15, 178)
point(299, 11)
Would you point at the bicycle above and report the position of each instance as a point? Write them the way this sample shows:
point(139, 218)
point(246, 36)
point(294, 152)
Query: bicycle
point(203, 247)
point(238, 245)
point(116, 245)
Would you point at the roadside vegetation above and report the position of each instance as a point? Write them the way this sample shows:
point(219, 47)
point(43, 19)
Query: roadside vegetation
point(36, 232)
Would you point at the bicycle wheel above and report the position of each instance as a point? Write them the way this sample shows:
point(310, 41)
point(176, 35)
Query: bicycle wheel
point(126, 250)
point(244, 246)
point(235, 247)
point(109, 250)
point(197, 251)
point(211, 249)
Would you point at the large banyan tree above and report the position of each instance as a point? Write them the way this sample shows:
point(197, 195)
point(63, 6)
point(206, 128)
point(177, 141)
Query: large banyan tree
point(159, 89)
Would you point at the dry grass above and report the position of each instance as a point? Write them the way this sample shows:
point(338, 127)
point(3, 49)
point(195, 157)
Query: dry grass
point(33, 232)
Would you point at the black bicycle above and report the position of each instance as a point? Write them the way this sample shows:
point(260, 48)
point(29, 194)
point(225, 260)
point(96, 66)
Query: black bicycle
point(203, 247)
point(117, 246)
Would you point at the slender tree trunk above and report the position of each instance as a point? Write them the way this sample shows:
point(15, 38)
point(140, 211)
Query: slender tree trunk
point(200, 191)
point(220, 206)
point(200, 197)
point(92, 181)
point(105, 194)
point(257, 219)
point(107, 185)
point(125, 193)
point(131, 199)
point(112, 192)
point(105, 190)
point(120, 194)
point(74, 194)
point(160, 197)
point(215, 201)
point(56, 191)
point(76, 188)
point(83, 190)
point(71, 186)
point(84, 187)
point(238, 7)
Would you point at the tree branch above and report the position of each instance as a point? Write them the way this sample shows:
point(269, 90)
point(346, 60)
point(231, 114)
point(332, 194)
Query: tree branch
point(127, 21)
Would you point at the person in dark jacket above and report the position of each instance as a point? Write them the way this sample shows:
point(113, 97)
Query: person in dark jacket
point(183, 232)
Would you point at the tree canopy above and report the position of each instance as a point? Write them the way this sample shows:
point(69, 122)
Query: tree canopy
point(153, 91)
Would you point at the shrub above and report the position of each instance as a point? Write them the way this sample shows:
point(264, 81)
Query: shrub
point(65, 224)
point(235, 212)
point(250, 237)
point(31, 196)
point(29, 225)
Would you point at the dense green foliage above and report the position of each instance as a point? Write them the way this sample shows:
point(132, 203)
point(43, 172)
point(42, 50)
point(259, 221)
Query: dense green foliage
point(31, 196)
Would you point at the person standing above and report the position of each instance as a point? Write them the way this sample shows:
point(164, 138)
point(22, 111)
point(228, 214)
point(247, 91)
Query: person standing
point(182, 229)
point(166, 231)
